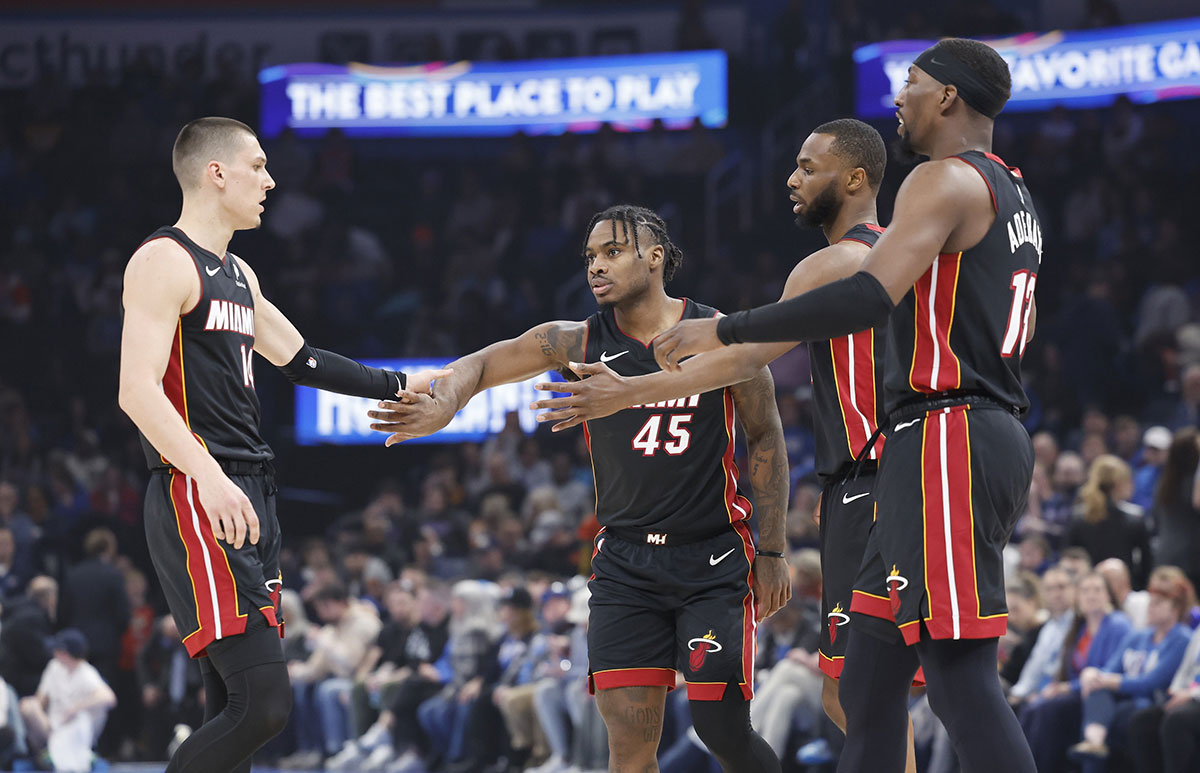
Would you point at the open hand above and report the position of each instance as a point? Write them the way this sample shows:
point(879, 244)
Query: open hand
point(229, 511)
point(600, 392)
point(691, 336)
point(413, 415)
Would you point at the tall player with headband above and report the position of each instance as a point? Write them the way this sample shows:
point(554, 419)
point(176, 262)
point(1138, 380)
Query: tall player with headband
point(194, 316)
point(955, 273)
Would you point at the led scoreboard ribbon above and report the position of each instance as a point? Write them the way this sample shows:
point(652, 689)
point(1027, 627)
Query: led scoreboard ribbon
point(469, 98)
point(1146, 62)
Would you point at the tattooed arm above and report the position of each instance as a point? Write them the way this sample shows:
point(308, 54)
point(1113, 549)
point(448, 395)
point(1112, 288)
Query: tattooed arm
point(759, 415)
point(548, 346)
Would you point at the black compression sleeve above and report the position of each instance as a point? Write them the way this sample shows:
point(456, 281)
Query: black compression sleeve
point(334, 373)
point(839, 308)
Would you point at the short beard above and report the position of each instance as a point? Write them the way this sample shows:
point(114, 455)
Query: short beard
point(905, 153)
point(821, 210)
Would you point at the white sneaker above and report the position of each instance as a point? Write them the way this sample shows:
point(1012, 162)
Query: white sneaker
point(409, 762)
point(555, 764)
point(376, 734)
point(379, 758)
point(350, 755)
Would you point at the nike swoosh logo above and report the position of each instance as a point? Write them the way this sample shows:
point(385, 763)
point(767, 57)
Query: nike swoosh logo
point(714, 561)
point(905, 424)
point(213, 271)
point(847, 499)
point(605, 358)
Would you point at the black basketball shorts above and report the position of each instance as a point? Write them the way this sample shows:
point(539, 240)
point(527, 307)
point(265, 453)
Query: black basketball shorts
point(951, 485)
point(657, 609)
point(847, 512)
point(210, 586)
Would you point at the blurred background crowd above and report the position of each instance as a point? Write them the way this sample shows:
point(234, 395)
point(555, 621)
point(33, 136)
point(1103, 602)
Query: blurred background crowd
point(435, 602)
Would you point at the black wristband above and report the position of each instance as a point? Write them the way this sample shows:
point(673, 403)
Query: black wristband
point(727, 328)
point(769, 553)
point(334, 373)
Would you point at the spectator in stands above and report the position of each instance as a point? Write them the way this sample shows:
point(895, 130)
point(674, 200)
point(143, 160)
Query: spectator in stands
point(170, 683)
point(790, 691)
point(1069, 475)
point(1133, 603)
point(1106, 524)
point(1058, 594)
point(1167, 734)
point(1075, 561)
point(27, 625)
point(1142, 668)
point(396, 740)
point(66, 714)
point(1155, 443)
point(1174, 512)
point(1187, 411)
point(1097, 632)
point(468, 666)
point(1023, 596)
point(523, 654)
point(95, 600)
point(322, 683)
point(12, 573)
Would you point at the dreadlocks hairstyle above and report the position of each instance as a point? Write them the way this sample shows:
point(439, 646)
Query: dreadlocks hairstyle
point(858, 145)
point(633, 219)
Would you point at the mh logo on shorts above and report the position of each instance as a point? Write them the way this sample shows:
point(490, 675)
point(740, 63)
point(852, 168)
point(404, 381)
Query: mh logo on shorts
point(836, 618)
point(895, 584)
point(700, 647)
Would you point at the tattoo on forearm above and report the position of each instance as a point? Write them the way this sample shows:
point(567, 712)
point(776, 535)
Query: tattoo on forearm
point(768, 456)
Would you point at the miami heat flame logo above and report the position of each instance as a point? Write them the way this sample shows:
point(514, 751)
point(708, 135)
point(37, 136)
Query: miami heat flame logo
point(895, 584)
point(700, 647)
point(837, 617)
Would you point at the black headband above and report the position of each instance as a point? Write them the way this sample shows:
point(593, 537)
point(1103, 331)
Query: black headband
point(987, 98)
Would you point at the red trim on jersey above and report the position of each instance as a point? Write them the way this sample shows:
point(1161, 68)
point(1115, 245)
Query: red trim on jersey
point(640, 341)
point(631, 677)
point(214, 588)
point(1016, 172)
point(706, 691)
point(935, 366)
point(865, 603)
point(853, 359)
point(749, 615)
point(831, 667)
point(734, 502)
point(854, 239)
point(951, 582)
point(986, 181)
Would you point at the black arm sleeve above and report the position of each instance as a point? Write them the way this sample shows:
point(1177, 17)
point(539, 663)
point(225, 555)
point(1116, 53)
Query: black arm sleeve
point(839, 308)
point(334, 373)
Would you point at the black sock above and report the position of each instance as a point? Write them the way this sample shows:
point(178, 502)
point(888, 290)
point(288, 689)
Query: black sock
point(724, 727)
point(964, 691)
point(873, 690)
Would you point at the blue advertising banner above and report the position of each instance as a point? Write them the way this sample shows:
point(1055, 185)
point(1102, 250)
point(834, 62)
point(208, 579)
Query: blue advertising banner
point(1146, 62)
point(547, 96)
point(325, 417)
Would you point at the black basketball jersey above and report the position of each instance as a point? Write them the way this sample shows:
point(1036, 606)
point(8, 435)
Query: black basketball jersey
point(961, 328)
point(668, 466)
point(848, 386)
point(210, 372)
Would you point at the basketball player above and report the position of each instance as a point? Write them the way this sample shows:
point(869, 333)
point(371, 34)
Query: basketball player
point(677, 580)
point(837, 176)
point(958, 265)
point(194, 316)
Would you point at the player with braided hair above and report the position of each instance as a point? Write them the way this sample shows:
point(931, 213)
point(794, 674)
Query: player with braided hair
point(679, 584)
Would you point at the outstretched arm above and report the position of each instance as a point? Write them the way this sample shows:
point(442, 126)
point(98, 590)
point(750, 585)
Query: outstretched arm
point(757, 410)
point(943, 206)
point(277, 339)
point(548, 346)
point(602, 392)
